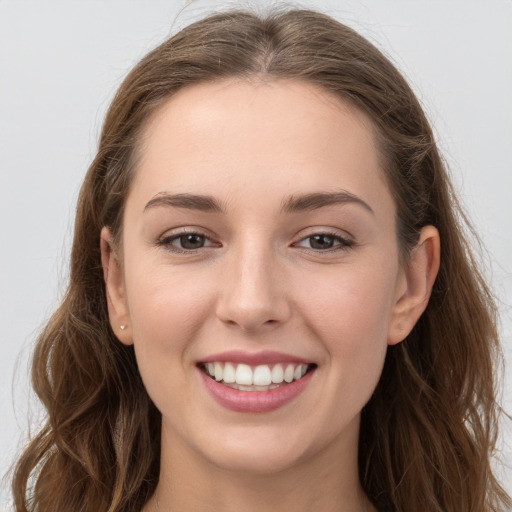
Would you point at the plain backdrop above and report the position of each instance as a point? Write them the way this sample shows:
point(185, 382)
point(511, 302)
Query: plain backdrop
point(61, 61)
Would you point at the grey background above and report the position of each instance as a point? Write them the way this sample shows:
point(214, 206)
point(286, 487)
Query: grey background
point(61, 61)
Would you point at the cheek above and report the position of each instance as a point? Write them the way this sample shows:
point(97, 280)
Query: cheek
point(357, 301)
point(165, 300)
point(351, 315)
point(167, 307)
point(167, 310)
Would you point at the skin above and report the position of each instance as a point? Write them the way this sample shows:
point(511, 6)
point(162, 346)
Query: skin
point(259, 284)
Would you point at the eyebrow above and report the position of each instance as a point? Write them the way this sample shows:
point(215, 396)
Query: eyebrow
point(188, 201)
point(317, 200)
point(294, 203)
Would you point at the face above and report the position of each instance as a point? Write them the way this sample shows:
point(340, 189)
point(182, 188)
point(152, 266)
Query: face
point(259, 247)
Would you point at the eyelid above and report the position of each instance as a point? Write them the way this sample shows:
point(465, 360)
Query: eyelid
point(165, 240)
point(344, 242)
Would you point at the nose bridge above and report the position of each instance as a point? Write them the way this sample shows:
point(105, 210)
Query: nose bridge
point(252, 294)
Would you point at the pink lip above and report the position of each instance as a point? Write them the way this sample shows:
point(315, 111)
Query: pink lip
point(254, 359)
point(254, 401)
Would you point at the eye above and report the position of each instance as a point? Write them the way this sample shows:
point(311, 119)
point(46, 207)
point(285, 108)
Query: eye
point(185, 242)
point(325, 242)
point(190, 241)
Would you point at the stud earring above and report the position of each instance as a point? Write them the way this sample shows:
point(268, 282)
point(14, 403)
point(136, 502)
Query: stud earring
point(122, 327)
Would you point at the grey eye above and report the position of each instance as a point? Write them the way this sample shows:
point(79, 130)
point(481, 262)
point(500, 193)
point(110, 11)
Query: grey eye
point(321, 241)
point(190, 241)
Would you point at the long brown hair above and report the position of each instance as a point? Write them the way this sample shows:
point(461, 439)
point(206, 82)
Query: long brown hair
point(429, 431)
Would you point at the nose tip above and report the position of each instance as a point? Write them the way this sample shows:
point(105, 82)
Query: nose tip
point(251, 317)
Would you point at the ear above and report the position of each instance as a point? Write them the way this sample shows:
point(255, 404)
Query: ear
point(114, 285)
point(416, 284)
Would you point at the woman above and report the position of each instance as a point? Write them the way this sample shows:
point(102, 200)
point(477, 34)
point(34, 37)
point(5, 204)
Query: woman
point(271, 301)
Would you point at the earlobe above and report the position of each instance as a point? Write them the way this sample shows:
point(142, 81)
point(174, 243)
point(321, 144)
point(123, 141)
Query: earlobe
point(115, 289)
point(419, 275)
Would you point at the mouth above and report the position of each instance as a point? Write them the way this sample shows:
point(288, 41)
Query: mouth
point(246, 382)
point(262, 377)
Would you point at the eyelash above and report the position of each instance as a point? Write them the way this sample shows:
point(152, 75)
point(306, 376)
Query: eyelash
point(343, 244)
point(166, 242)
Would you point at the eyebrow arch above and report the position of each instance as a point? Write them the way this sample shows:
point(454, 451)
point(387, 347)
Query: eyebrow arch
point(294, 203)
point(317, 200)
point(189, 201)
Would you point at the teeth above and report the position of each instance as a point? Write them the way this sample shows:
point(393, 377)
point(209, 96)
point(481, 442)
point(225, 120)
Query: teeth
point(261, 377)
point(277, 374)
point(243, 375)
point(218, 371)
point(253, 388)
point(229, 373)
point(289, 373)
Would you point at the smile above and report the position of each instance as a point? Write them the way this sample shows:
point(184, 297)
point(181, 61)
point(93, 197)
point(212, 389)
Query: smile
point(263, 377)
point(259, 383)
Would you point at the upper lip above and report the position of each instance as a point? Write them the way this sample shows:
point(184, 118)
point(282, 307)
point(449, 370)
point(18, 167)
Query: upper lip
point(254, 359)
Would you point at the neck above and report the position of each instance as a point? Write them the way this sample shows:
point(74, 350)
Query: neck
point(328, 481)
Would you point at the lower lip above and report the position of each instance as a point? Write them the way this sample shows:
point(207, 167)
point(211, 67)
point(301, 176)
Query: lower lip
point(255, 401)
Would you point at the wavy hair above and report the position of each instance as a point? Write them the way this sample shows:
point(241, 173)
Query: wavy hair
point(428, 433)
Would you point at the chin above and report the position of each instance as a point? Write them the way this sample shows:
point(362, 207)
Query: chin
point(262, 453)
point(259, 464)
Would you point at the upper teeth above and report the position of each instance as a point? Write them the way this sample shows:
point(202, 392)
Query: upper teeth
point(261, 375)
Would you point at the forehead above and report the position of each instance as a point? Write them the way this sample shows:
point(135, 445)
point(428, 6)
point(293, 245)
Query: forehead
point(286, 135)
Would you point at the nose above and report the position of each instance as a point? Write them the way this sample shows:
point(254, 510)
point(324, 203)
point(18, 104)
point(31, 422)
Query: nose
point(253, 292)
